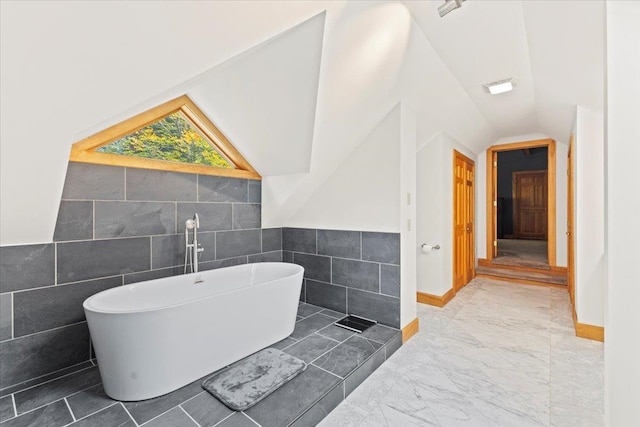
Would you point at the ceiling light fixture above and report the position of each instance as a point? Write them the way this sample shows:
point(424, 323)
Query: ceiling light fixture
point(499, 86)
point(448, 6)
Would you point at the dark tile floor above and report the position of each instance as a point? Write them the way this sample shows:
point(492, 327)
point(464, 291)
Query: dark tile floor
point(339, 360)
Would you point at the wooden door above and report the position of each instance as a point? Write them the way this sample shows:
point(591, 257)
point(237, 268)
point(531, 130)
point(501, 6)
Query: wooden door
point(463, 220)
point(570, 240)
point(530, 205)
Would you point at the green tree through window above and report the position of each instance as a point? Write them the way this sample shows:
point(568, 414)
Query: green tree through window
point(172, 139)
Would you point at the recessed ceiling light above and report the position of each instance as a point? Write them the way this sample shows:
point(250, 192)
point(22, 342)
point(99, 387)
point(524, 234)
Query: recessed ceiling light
point(499, 86)
point(448, 6)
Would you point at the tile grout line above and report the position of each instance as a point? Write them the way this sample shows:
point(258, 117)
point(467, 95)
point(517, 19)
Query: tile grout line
point(13, 324)
point(69, 407)
point(190, 417)
point(70, 283)
point(150, 256)
point(331, 349)
point(53, 329)
point(55, 263)
point(57, 400)
point(128, 413)
point(224, 419)
point(346, 301)
point(331, 373)
point(99, 410)
point(53, 379)
point(38, 407)
point(93, 220)
point(198, 394)
point(258, 424)
point(168, 410)
point(15, 408)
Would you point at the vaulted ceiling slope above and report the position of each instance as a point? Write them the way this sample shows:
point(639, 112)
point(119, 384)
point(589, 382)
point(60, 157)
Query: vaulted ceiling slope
point(554, 51)
point(312, 78)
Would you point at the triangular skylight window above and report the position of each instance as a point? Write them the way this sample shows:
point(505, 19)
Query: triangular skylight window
point(174, 136)
point(172, 139)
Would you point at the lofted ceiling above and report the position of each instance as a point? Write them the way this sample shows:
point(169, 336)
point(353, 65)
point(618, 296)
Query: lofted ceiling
point(554, 51)
point(296, 86)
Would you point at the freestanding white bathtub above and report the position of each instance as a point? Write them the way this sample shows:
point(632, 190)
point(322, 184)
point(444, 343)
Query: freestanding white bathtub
point(154, 337)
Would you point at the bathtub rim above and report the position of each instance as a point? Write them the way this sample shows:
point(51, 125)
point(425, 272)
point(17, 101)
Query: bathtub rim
point(86, 304)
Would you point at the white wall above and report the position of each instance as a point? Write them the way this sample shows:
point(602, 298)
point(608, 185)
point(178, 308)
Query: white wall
point(589, 216)
point(374, 56)
point(561, 196)
point(362, 192)
point(408, 211)
point(622, 317)
point(430, 226)
point(65, 73)
point(435, 211)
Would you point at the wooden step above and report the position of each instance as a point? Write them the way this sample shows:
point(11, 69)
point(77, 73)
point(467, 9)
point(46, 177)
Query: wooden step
point(540, 277)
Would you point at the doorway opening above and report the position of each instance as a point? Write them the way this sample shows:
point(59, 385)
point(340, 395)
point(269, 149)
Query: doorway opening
point(521, 214)
point(521, 204)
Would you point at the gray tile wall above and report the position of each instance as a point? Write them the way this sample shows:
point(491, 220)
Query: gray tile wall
point(116, 226)
point(354, 272)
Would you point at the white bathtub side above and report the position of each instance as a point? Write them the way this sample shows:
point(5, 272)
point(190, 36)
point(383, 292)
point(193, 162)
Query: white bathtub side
point(150, 353)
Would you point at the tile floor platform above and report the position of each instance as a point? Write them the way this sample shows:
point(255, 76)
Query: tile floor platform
point(499, 354)
point(339, 360)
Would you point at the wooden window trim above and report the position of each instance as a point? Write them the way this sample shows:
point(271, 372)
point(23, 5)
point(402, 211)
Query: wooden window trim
point(84, 150)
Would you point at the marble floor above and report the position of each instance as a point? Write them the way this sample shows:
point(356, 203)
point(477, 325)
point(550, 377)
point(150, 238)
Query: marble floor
point(499, 354)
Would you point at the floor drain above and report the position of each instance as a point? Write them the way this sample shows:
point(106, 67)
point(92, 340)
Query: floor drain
point(355, 323)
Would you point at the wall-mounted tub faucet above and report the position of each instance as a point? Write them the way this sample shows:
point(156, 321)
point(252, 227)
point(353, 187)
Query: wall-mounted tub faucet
point(193, 249)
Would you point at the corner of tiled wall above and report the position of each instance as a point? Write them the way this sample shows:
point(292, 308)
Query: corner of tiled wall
point(353, 272)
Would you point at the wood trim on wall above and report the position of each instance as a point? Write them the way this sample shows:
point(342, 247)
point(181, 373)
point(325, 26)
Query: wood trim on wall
point(84, 150)
point(551, 203)
point(584, 330)
point(435, 300)
point(521, 281)
point(558, 271)
point(490, 197)
point(410, 330)
point(571, 276)
point(551, 192)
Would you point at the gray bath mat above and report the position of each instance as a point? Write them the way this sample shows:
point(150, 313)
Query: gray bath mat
point(247, 382)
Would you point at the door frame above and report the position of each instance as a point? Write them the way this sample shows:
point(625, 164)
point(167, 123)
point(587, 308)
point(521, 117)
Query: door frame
point(571, 278)
point(514, 191)
point(492, 191)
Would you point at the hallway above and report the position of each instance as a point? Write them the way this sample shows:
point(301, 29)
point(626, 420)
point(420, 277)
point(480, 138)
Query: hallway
point(522, 253)
point(499, 354)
